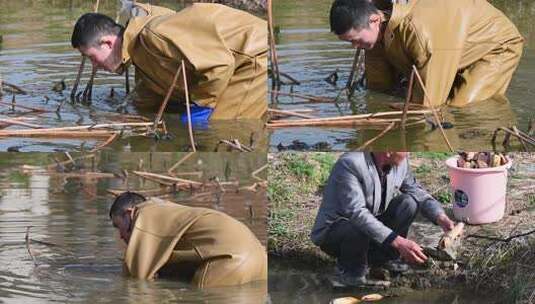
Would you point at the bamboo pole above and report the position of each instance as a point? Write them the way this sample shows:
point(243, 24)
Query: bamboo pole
point(369, 142)
point(371, 123)
point(435, 115)
point(190, 130)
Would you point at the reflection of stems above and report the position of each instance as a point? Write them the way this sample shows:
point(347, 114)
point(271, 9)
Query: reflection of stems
point(28, 248)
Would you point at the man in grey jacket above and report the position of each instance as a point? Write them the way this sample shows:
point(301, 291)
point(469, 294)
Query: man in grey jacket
point(368, 205)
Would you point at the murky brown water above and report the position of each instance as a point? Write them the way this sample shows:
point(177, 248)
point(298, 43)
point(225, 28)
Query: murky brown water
point(309, 52)
point(72, 213)
point(36, 53)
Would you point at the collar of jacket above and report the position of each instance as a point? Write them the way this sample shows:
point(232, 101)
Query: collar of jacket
point(399, 12)
point(133, 28)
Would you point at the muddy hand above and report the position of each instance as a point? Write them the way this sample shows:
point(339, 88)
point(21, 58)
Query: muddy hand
point(410, 251)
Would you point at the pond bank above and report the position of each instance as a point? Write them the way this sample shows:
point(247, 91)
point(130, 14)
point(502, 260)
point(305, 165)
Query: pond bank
point(503, 267)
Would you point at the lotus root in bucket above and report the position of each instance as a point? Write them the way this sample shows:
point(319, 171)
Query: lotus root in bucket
point(478, 193)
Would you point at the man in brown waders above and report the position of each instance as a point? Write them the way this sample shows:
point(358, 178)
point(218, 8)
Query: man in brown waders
point(224, 51)
point(166, 238)
point(465, 50)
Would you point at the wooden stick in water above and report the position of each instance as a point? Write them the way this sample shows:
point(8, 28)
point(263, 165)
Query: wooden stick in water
point(166, 99)
point(166, 177)
point(178, 163)
point(353, 117)
point(28, 247)
point(289, 113)
point(369, 142)
point(435, 115)
point(407, 102)
point(107, 142)
point(190, 130)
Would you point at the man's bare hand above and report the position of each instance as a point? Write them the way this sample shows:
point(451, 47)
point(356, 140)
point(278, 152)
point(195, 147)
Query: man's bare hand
point(444, 221)
point(410, 251)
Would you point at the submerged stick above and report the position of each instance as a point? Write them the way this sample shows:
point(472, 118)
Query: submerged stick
point(107, 142)
point(289, 113)
point(28, 247)
point(24, 107)
point(317, 99)
point(435, 115)
point(178, 163)
point(77, 80)
point(190, 130)
point(369, 142)
point(18, 89)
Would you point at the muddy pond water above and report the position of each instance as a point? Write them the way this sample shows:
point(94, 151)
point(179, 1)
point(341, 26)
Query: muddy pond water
point(309, 53)
point(80, 260)
point(35, 54)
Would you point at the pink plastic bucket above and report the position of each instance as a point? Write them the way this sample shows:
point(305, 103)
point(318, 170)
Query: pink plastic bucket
point(478, 194)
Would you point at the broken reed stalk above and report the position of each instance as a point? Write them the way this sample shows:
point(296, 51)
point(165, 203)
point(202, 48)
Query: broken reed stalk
point(520, 138)
point(310, 98)
point(255, 172)
point(166, 99)
point(289, 113)
point(28, 247)
point(519, 135)
point(369, 142)
point(127, 81)
point(25, 107)
point(19, 123)
point(407, 102)
point(166, 178)
point(351, 79)
point(18, 89)
point(75, 128)
point(190, 129)
point(275, 76)
point(235, 144)
point(352, 117)
point(55, 133)
point(368, 122)
point(107, 142)
point(435, 115)
point(178, 163)
point(81, 69)
point(88, 91)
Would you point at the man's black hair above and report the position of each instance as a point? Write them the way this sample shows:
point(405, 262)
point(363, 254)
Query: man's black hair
point(348, 14)
point(91, 26)
point(125, 200)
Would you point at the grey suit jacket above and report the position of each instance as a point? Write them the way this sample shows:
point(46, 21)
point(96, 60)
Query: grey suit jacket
point(353, 192)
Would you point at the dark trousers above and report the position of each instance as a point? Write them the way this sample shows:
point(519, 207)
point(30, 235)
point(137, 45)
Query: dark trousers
point(352, 248)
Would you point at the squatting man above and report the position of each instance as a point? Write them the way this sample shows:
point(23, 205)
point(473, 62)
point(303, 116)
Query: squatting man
point(369, 203)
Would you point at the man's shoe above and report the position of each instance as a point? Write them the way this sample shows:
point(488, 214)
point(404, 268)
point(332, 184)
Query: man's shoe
point(342, 279)
point(397, 266)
